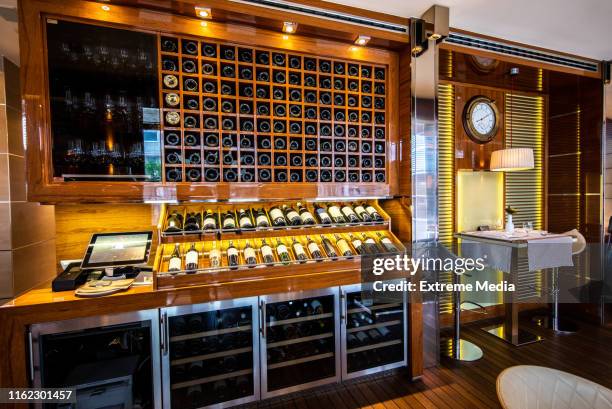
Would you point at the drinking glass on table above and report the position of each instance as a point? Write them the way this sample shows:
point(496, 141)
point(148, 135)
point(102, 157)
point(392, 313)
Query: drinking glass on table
point(528, 226)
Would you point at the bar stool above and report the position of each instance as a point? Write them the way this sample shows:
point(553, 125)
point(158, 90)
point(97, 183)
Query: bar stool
point(455, 347)
point(552, 321)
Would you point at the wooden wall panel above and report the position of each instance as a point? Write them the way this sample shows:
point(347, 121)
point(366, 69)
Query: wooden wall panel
point(405, 125)
point(76, 223)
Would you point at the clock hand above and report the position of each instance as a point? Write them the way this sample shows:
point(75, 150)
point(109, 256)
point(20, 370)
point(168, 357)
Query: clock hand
point(483, 118)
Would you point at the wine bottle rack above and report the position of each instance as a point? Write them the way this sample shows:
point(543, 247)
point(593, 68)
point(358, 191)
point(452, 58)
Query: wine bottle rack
point(235, 113)
point(167, 236)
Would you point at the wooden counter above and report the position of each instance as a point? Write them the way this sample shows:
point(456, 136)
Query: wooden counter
point(42, 305)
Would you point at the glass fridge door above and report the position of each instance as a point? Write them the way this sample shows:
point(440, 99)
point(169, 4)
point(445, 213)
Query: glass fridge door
point(210, 355)
point(111, 360)
point(373, 331)
point(299, 341)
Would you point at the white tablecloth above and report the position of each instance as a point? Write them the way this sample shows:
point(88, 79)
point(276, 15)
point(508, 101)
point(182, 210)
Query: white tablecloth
point(542, 252)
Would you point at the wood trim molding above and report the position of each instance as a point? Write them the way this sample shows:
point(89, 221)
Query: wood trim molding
point(517, 60)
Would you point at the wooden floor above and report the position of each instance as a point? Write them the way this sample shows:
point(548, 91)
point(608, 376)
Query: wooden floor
point(587, 353)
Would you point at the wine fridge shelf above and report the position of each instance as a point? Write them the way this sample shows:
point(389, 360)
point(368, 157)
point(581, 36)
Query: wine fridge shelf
point(300, 360)
point(300, 319)
point(300, 340)
point(211, 333)
point(374, 308)
point(373, 326)
point(214, 355)
point(374, 346)
point(210, 379)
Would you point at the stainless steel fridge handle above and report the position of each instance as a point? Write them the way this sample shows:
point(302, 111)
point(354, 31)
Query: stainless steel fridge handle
point(31, 353)
point(165, 334)
point(262, 318)
point(343, 306)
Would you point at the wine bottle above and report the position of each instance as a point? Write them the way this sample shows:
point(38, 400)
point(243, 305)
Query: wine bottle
point(335, 213)
point(370, 244)
point(209, 87)
point(298, 250)
point(261, 219)
point(313, 248)
point(291, 215)
point(227, 106)
point(343, 246)
point(263, 109)
point(210, 220)
point(322, 214)
point(263, 58)
point(173, 118)
point(311, 175)
point(372, 212)
point(244, 220)
point(278, 59)
point(194, 175)
point(277, 216)
point(279, 110)
point(264, 175)
point(279, 77)
point(249, 255)
point(263, 76)
point(282, 252)
point(328, 247)
point(305, 215)
point(246, 73)
point(357, 244)
point(172, 139)
point(208, 68)
point(189, 66)
point(386, 242)
point(174, 222)
point(245, 56)
point(193, 221)
point(229, 221)
point(170, 81)
point(190, 84)
point(349, 214)
point(191, 258)
point(230, 175)
point(361, 212)
point(214, 256)
point(266, 252)
point(232, 256)
point(211, 175)
point(175, 262)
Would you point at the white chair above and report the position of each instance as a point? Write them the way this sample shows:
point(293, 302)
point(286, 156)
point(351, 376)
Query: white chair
point(538, 387)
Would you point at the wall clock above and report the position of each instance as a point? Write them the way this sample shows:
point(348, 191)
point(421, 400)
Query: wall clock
point(481, 119)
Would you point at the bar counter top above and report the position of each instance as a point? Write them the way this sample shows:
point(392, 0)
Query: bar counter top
point(40, 304)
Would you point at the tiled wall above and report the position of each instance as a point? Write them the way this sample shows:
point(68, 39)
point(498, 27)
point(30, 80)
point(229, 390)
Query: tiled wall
point(27, 230)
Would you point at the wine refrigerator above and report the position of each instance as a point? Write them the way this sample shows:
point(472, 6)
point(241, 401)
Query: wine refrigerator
point(300, 340)
point(110, 360)
point(210, 354)
point(373, 327)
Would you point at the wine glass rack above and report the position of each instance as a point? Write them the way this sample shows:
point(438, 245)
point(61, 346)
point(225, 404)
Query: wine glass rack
point(235, 113)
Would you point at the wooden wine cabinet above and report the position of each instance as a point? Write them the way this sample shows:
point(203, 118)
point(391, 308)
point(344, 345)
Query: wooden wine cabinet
point(303, 165)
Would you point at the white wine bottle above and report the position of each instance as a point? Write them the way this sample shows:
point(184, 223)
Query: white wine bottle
point(298, 249)
point(305, 215)
point(210, 220)
point(335, 213)
point(278, 219)
point(386, 243)
point(291, 215)
point(362, 213)
point(266, 252)
point(244, 219)
point(322, 214)
point(349, 214)
point(283, 253)
point(249, 255)
point(215, 256)
point(192, 259)
point(175, 263)
point(373, 212)
point(343, 246)
point(314, 250)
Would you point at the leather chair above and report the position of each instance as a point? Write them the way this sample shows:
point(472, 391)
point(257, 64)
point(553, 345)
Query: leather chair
point(538, 387)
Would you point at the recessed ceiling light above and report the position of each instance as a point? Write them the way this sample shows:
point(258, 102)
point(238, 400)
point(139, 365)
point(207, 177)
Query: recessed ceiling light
point(203, 12)
point(105, 7)
point(289, 27)
point(362, 40)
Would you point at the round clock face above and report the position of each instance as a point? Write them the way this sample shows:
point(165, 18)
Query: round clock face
point(481, 119)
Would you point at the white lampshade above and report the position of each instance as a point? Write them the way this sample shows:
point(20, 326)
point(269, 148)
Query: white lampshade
point(512, 159)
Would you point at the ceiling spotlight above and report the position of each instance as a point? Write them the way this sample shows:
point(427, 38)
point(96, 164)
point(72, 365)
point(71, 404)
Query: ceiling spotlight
point(362, 40)
point(203, 12)
point(105, 7)
point(289, 27)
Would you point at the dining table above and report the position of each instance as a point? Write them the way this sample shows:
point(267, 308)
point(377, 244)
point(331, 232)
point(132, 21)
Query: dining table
point(508, 252)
